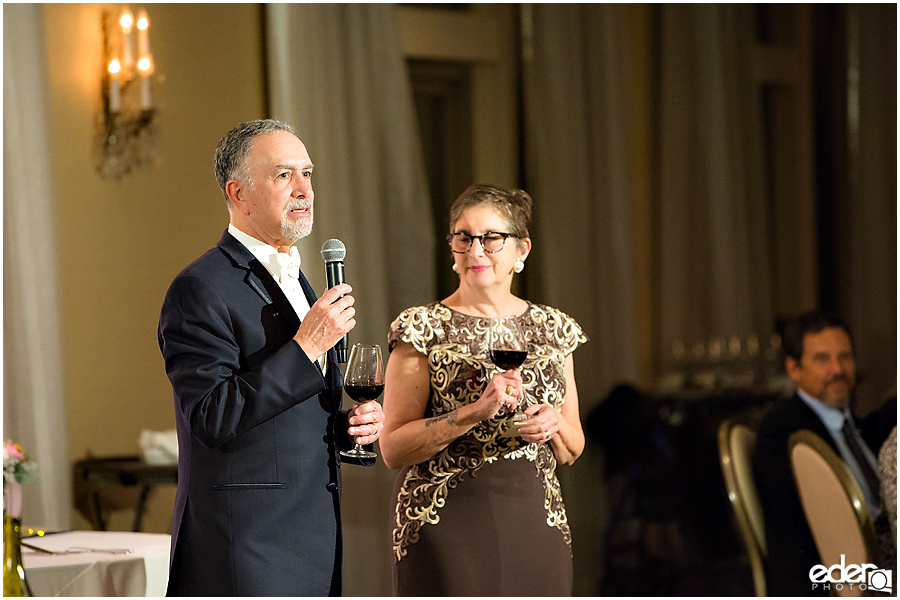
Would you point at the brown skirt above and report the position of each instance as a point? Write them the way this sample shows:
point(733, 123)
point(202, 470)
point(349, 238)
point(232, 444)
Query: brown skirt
point(492, 540)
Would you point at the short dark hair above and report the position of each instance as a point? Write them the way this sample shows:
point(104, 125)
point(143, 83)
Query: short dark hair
point(513, 205)
point(232, 151)
point(812, 321)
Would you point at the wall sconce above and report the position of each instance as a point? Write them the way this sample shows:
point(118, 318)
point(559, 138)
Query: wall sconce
point(126, 132)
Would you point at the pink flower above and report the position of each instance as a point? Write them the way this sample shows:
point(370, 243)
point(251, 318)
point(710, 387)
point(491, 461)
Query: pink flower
point(16, 464)
point(14, 450)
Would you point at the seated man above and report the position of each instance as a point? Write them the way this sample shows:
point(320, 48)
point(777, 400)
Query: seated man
point(819, 358)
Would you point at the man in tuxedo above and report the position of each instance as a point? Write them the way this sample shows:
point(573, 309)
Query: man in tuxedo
point(819, 358)
point(257, 387)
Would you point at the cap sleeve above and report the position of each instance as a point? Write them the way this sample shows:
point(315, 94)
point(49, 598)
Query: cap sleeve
point(572, 333)
point(415, 326)
point(566, 332)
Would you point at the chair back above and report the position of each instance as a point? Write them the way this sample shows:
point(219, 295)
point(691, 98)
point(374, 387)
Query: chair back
point(834, 505)
point(737, 443)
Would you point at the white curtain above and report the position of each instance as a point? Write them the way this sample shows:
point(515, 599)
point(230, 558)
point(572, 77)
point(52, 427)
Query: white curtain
point(337, 73)
point(580, 135)
point(617, 172)
point(713, 253)
point(33, 402)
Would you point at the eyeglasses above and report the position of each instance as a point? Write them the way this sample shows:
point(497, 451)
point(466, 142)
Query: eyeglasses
point(491, 242)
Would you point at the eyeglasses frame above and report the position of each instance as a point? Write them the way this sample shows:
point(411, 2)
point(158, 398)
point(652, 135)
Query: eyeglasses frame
point(505, 236)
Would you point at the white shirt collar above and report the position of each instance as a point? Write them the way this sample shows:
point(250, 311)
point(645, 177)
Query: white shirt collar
point(277, 263)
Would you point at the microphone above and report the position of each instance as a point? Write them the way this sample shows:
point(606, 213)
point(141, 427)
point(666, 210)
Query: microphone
point(333, 253)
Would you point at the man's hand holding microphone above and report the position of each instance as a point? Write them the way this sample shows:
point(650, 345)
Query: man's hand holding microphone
point(327, 322)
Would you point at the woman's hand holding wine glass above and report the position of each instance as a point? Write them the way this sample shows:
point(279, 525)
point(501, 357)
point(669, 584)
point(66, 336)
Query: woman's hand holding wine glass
point(364, 382)
point(500, 395)
point(542, 424)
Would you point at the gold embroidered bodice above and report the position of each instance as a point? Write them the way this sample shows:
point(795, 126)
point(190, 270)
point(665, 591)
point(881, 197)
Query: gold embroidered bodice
point(456, 347)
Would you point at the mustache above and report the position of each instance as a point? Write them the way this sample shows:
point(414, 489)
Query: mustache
point(837, 378)
point(297, 204)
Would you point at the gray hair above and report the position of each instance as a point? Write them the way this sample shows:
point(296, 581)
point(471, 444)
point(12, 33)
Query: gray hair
point(513, 205)
point(232, 151)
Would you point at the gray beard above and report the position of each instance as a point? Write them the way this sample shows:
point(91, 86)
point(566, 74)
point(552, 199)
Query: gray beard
point(294, 230)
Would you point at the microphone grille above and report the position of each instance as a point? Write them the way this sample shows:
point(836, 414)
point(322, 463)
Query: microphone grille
point(333, 251)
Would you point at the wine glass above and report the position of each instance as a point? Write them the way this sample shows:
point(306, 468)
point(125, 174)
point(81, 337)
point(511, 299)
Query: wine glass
point(508, 351)
point(363, 381)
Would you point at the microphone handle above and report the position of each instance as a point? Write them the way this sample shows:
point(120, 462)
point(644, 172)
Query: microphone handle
point(334, 275)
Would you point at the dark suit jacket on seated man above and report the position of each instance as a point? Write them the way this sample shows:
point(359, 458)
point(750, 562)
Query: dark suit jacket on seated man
point(257, 389)
point(819, 357)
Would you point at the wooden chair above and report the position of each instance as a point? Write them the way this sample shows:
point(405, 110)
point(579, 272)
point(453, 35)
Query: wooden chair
point(737, 442)
point(834, 505)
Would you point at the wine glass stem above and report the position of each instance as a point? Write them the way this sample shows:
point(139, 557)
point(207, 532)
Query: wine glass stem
point(518, 414)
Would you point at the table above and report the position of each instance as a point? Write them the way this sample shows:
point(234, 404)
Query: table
point(123, 470)
point(143, 572)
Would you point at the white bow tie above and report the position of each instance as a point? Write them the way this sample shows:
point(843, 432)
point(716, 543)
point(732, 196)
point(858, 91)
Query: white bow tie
point(289, 265)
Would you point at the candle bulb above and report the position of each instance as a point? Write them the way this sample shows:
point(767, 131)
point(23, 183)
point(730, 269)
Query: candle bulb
point(145, 92)
point(114, 68)
point(144, 67)
point(143, 24)
point(126, 21)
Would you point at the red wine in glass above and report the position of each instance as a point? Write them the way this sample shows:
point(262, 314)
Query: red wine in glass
point(507, 343)
point(508, 359)
point(364, 391)
point(363, 381)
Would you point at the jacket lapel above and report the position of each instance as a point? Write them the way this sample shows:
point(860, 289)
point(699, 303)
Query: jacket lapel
point(262, 282)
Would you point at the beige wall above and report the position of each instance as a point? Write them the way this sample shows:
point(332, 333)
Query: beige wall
point(121, 242)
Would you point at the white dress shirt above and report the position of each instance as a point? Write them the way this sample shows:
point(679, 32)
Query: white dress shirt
point(285, 269)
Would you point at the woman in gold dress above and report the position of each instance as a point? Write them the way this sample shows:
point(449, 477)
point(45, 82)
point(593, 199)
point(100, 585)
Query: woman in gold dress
point(477, 508)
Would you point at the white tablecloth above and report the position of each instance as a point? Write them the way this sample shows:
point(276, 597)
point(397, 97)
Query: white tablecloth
point(143, 572)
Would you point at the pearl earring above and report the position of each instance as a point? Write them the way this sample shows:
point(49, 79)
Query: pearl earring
point(519, 266)
point(455, 268)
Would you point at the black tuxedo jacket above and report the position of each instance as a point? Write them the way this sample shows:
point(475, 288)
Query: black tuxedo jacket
point(257, 510)
point(791, 548)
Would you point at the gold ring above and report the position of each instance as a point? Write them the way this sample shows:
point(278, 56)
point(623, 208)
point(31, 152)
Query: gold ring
point(509, 390)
